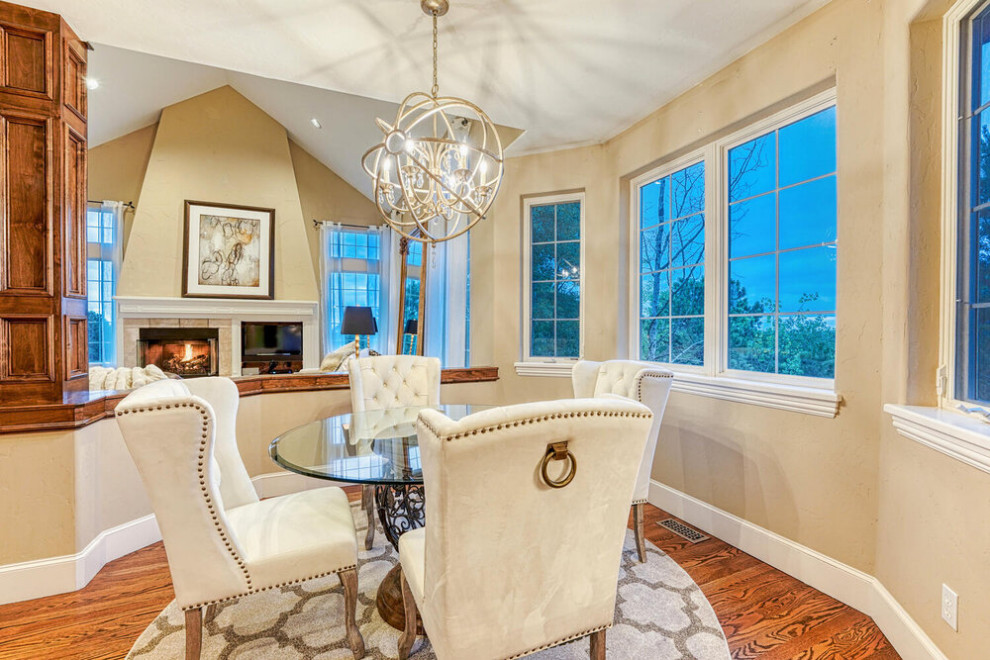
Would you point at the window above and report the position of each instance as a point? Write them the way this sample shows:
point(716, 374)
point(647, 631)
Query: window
point(736, 248)
point(101, 283)
point(414, 265)
point(552, 253)
point(353, 272)
point(672, 270)
point(781, 235)
point(972, 313)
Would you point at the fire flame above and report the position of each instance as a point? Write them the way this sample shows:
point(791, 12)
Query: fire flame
point(188, 356)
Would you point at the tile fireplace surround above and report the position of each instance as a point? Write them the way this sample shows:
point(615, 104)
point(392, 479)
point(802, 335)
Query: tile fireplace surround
point(226, 316)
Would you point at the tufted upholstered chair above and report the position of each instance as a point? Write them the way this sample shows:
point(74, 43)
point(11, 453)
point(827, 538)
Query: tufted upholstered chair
point(222, 542)
point(506, 565)
point(384, 382)
point(644, 382)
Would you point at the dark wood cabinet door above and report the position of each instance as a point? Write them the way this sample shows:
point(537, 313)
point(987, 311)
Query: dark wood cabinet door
point(43, 105)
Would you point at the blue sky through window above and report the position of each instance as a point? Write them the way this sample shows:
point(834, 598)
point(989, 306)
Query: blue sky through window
point(672, 270)
point(100, 287)
point(782, 249)
point(555, 278)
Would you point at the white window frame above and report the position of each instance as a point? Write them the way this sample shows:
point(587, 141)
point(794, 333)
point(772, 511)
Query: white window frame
point(779, 120)
point(945, 375)
point(705, 155)
point(814, 396)
point(530, 365)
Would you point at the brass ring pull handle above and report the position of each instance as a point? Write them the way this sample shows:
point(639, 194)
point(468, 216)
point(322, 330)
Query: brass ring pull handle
point(558, 451)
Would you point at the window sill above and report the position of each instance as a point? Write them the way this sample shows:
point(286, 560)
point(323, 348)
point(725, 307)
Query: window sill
point(956, 435)
point(806, 400)
point(546, 369)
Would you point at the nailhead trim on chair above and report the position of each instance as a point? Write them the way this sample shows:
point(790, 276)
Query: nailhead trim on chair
point(559, 642)
point(201, 471)
point(533, 420)
point(274, 586)
point(646, 373)
point(209, 502)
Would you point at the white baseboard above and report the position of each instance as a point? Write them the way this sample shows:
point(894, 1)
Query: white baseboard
point(844, 583)
point(59, 575)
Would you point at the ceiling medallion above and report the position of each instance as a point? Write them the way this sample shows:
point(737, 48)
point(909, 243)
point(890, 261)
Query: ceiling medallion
point(439, 165)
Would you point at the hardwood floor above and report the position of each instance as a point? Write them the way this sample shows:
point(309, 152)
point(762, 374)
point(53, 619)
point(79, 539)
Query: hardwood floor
point(765, 613)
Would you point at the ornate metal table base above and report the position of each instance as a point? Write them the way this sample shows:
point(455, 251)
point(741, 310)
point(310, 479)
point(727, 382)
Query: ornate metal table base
point(400, 509)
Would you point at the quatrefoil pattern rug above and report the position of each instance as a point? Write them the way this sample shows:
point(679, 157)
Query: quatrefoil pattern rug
point(660, 613)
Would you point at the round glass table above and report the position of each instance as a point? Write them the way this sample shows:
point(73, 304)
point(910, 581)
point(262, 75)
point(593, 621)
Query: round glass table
point(376, 448)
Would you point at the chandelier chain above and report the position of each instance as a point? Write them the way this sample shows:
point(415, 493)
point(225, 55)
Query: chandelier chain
point(436, 85)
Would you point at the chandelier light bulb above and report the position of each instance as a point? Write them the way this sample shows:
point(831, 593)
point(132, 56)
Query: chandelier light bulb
point(444, 186)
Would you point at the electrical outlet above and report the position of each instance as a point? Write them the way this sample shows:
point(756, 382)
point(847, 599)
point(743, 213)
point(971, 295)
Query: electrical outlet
point(950, 607)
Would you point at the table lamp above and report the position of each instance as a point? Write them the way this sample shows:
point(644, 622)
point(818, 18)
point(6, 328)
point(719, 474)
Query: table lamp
point(358, 321)
point(412, 328)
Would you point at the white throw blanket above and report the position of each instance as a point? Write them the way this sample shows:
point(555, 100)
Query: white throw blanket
point(123, 378)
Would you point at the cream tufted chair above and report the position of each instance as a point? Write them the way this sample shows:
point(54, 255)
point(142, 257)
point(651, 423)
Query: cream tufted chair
point(222, 542)
point(644, 382)
point(506, 565)
point(384, 382)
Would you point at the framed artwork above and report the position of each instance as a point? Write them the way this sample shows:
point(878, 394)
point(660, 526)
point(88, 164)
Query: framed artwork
point(229, 251)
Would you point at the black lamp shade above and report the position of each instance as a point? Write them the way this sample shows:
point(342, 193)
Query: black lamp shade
point(358, 321)
point(412, 327)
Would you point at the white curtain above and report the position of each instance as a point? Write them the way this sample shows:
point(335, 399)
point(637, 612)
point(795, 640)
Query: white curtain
point(356, 272)
point(447, 294)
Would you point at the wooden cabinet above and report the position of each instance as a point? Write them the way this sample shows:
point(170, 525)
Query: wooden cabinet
point(43, 335)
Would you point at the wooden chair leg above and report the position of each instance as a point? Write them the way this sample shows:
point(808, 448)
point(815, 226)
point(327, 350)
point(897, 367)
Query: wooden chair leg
point(194, 633)
point(412, 619)
point(598, 645)
point(211, 613)
point(638, 514)
point(368, 504)
point(354, 639)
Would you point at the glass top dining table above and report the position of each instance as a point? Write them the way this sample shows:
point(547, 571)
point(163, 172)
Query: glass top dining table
point(376, 447)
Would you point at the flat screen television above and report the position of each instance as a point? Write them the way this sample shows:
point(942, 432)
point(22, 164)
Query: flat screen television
point(271, 340)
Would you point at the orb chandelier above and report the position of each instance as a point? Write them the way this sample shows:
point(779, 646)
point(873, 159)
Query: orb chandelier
point(439, 166)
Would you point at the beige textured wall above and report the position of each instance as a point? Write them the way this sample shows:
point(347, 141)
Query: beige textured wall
point(931, 508)
point(850, 487)
point(788, 472)
point(216, 147)
point(117, 171)
point(36, 496)
point(67, 487)
point(117, 168)
point(325, 196)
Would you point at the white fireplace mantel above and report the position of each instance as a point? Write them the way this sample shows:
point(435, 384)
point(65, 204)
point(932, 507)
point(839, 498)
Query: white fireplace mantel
point(304, 311)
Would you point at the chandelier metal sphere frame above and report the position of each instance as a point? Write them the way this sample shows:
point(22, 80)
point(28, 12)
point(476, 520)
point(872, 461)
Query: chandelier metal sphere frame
point(439, 166)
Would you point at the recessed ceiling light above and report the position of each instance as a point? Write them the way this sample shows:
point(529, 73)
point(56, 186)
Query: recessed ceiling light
point(316, 123)
point(92, 83)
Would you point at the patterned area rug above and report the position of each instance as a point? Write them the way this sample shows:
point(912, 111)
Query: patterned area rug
point(660, 613)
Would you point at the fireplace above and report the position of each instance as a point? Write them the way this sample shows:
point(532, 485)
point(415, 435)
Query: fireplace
point(188, 352)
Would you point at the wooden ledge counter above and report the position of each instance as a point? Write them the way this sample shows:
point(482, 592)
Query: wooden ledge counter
point(79, 409)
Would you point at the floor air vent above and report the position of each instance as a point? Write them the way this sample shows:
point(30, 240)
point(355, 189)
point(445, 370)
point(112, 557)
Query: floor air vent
point(679, 528)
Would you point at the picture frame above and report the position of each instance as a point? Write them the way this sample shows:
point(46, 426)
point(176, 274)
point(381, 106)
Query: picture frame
point(228, 251)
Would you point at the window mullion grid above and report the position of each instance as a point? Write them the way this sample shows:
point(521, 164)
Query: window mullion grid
point(669, 205)
point(716, 266)
point(553, 283)
point(776, 261)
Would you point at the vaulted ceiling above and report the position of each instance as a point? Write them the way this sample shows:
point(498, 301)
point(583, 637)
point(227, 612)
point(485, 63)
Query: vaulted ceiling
point(567, 72)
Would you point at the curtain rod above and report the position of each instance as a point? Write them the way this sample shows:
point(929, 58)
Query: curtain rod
point(317, 223)
point(129, 205)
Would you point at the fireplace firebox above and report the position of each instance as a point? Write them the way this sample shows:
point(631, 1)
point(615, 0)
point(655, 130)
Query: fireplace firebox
point(188, 352)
